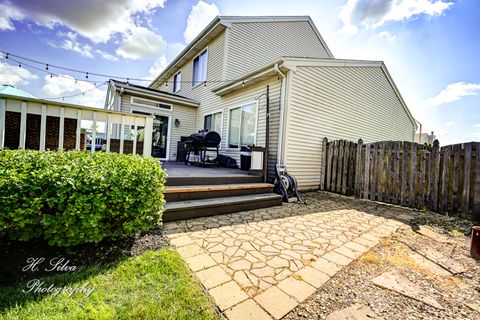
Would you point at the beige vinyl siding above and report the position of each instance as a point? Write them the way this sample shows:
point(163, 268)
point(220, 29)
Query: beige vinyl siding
point(186, 116)
point(248, 95)
point(251, 45)
point(339, 103)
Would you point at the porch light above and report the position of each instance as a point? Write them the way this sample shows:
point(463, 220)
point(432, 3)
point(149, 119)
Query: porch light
point(177, 123)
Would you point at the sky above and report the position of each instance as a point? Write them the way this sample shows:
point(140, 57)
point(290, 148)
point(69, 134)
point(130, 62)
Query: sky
point(430, 47)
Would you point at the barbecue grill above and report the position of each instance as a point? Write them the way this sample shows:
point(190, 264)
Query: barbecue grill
point(197, 145)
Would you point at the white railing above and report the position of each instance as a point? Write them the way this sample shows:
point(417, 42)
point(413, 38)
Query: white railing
point(63, 111)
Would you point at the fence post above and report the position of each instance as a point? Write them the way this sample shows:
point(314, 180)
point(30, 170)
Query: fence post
point(323, 166)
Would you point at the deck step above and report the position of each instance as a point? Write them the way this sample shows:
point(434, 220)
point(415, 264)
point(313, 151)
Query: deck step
point(212, 180)
point(196, 192)
point(207, 207)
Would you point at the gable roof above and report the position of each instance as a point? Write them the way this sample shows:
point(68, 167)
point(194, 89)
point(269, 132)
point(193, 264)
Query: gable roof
point(290, 63)
point(153, 93)
point(219, 24)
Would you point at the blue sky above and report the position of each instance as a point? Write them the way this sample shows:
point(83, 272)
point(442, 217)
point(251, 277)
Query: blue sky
point(430, 47)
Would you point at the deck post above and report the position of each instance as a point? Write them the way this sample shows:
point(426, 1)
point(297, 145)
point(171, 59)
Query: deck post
point(62, 128)
point(79, 130)
point(122, 133)
point(94, 133)
point(134, 150)
point(43, 127)
point(23, 126)
point(2, 122)
point(109, 129)
point(147, 137)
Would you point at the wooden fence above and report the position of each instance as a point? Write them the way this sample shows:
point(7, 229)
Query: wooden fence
point(445, 180)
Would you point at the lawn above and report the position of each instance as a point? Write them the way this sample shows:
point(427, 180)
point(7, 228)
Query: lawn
point(154, 285)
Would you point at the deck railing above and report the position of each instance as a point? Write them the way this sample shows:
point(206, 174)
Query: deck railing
point(30, 110)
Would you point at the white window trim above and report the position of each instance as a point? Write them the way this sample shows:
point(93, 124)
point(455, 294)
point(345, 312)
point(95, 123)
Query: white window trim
point(180, 83)
point(169, 133)
point(212, 113)
point(206, 68)
point(227, 144)
point(147, 106)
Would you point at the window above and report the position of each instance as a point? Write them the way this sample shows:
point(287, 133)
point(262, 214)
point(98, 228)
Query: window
point(199, 68)
point(242, 126)
point(150, 103)
point(177, 82)
point(213, 122)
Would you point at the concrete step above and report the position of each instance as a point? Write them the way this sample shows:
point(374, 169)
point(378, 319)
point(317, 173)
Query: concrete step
point(212, 180)
point(207, 207)
point(193, 192)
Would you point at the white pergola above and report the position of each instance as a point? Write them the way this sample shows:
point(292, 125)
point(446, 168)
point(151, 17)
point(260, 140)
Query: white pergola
point(46, 108)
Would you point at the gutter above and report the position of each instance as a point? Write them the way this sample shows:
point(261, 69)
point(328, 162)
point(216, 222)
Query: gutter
point(282, 115)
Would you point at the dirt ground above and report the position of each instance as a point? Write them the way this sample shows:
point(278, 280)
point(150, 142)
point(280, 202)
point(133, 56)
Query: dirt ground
point(458, 294)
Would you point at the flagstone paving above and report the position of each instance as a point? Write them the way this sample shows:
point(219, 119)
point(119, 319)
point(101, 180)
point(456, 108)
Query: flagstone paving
point(262, 263)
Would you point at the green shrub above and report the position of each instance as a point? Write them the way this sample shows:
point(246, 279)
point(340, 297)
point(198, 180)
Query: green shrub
point(72, 197)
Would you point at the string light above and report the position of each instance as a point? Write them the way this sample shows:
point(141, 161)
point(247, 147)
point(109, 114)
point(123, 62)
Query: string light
point(48, 66)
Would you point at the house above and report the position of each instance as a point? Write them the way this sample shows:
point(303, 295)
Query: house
point(221, 79)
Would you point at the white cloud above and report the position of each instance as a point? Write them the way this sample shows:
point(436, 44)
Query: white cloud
point(141, 43)
point(171, 52)
point(93, 19)
point(72, 45)
point(453, 92)
point(7, 14)
point(391, 38)
point(450, 124)
point(370, 14)
point(106, 55)
point(14, 75)
point(201, 15)
point(65, 86)
point(476, 125)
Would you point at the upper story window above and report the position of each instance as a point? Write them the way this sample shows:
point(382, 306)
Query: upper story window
point(213, 122)
point(199, 68)
point(150, 103)
point(177, 81)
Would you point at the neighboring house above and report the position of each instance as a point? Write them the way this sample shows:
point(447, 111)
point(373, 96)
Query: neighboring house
point(423, 138)
point(222, 76)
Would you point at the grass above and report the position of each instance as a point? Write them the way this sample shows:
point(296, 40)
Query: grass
point(154, 285)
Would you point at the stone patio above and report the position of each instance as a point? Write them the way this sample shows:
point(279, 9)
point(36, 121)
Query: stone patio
point(261, 264)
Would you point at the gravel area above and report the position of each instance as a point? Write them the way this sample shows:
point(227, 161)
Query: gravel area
point(458, 294)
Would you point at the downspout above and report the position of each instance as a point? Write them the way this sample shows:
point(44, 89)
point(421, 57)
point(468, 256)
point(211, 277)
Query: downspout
point(282, 115)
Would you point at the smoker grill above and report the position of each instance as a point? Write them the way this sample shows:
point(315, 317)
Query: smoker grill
point(197, 145)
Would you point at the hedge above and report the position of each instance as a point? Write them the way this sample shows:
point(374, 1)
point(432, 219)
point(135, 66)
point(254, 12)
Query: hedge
point(70, 197)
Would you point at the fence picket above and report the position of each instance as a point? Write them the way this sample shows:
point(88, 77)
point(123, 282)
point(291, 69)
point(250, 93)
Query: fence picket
point(434, 176)
point(358, 178)
point(404, 174)
point(366, 173)
point(445, 176)
point(443, 179)
point(476, 192)
point(466, 179)
point(457, 152)
point(413, 166)
point(323, 164)
point(396, 172)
